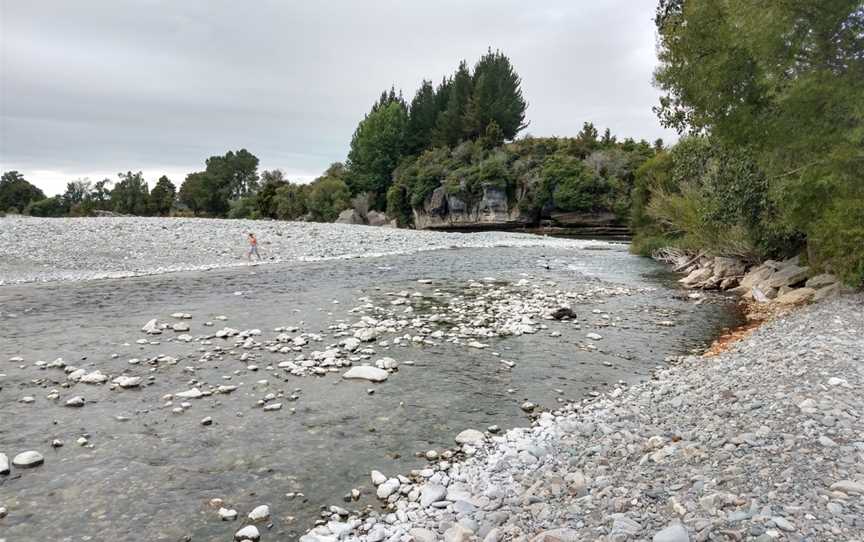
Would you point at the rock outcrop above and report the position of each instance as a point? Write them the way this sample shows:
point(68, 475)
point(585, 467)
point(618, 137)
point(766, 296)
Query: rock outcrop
point(445, 211)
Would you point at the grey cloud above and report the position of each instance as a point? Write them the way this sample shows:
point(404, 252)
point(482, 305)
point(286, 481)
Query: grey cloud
point(94, 86)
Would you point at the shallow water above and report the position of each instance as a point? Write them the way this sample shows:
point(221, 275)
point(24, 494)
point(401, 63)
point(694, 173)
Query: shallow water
point(151, 477)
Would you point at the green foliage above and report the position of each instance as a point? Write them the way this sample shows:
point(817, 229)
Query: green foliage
point(245, 207)
point(198, 193)
point(290, 201)
point(328, 196)
point(450, 127)
point(162, 197)
point(572, 185)
point(399, 206)
point(131, 195)
point(496, 97)
point(376, 149)
point(271, 181)
point(422, 116)
point(225, 178)
point(46, 207)
point(16, 193)
point(778, 84)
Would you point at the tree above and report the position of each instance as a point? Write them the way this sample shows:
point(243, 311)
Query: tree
point(47, 207)
point(162, 196)
point(198, 193)
point(76, 192)
point(131, 195)
point(376, 148)
point(496, 95)
point(328, 196)
point(100, 196)
point(290, 201)
point(16, 193)
point(235, 174)
point(780, 80)
point(421, 119)
point(450, 126)
point(271, 181)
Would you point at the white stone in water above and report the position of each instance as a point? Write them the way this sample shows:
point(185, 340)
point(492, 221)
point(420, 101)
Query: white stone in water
point(27, 399)
point(377, 478)
point(28, 459)
point(470, 436)
point(249, 532)
point(528, 406)
point(82, 441)
point(366, 372)
point(386, 363)
point(179, 326)
point(207, 421)
point(151, 327)
point(227, 514)
point(96, 377)
point(127, 381)
point(273, 406)
point(181, 315)
point(260, 513)
point(194, 393)
point(76, 401)
point(387, 488)
point(594, 336)
point(4, 464)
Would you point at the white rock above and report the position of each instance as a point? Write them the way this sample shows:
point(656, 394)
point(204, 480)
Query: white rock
point(227, 514)
point(4, 464)
point(378, 478)
point(470, 436)
point(366, 372)
point(260, 513)
point(194, 393)
point(387, 488)
point(27, 460)
point(249, 532)
point(273, 406)
point(594, 336)
point(76, 401)
point(127, 381)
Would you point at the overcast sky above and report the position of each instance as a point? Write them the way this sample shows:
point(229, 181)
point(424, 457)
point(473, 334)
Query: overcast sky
point(92, 87)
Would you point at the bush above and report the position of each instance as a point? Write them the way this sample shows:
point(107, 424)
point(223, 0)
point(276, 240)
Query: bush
point(48, 207)
point(328, 197)
point(246, 207)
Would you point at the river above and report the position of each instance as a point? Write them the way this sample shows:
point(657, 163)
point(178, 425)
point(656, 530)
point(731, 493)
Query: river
point(149, 473)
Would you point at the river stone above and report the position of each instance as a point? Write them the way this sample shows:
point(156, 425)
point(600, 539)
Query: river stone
point(849, 487)
point(151, 327)
point(783, 523)
point(423, 535)
point(432, 493)
point(458, 533)
point(75, 402)
point(366, 334)
point(557, 535)
point(470, 436)
point(819, 281)
point(365, 372)
point(249, 532)
point(27, 460)
point(227, 515)
point(672, 533)
point(798, 295)
point(387, 488)
point(260, 513)
point(4, 464)
point(622, 525)
point(127, 381)
point(96, 377)
point(194, 393)
point(594, 336)
point(377, 478)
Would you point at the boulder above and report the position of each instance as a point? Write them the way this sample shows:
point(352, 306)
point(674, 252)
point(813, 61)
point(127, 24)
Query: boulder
point(798, 295)
point(673, 533)
point(700, 274)
point(789, 275)
point(366, 372)
point(827, 291)
point(374, 218)
point(349, 216)
point(727, 267)
point(820, 281)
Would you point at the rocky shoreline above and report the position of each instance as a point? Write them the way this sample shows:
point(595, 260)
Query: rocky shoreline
point(761, 442)
point(74, 249)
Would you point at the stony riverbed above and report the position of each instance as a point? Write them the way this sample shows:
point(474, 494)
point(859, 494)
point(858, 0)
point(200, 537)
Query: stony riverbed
point(62, 249)
point(175, 406)
point(763, 442)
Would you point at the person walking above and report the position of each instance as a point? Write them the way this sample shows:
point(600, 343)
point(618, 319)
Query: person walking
point(253, 247)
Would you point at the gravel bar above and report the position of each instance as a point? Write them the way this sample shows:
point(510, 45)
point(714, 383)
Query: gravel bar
point(64, 249)
point(763, 442)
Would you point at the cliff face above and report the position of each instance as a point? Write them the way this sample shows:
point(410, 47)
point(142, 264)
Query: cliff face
point(443, 211)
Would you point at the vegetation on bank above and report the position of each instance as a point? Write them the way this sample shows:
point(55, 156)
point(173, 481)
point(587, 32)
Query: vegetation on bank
point(771, 99)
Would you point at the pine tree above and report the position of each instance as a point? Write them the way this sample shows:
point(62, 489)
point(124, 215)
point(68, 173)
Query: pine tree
point(496, 96)
point(450, 126)
point(421, 119)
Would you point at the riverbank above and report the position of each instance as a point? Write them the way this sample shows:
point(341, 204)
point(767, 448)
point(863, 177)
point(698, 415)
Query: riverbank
point(74, 249)
point(761, 442)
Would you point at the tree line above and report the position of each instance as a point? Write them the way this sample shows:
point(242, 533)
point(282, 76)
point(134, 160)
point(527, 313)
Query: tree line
point(770, 101)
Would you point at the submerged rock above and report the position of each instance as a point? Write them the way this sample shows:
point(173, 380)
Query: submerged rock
point(366, 372)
